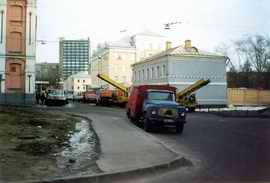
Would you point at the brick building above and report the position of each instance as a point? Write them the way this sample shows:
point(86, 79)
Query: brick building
point(17, 51)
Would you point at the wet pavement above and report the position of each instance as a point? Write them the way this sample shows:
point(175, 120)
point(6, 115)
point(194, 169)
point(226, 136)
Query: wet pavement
point(81, 153)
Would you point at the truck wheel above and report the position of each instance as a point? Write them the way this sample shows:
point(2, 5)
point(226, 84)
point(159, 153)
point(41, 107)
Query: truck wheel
point(147, 125)
point(179, 128)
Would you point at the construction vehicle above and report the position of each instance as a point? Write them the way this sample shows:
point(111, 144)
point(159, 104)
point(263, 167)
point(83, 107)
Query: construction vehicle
point(155, 106)
point(186, 98)
point(118, 96)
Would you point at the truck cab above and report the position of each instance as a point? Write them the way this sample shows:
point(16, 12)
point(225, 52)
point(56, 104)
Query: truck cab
point(155, 105)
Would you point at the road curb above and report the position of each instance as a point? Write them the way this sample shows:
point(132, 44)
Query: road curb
point(108, 177)
point(175, 163)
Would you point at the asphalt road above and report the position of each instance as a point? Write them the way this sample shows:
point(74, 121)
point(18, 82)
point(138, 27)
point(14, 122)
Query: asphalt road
point(222, 149)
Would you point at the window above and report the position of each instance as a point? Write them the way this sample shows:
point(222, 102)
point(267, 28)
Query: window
point(153, 73)
point(164, 70)
point(148, 74)
point(143, 75)
point(13, 69)
point(17, 13)
point(139, 77)
point(84, 81)
point(15, 46)
point(169, 96)
point(78, 80)
point(158, 72)
point(78, 88)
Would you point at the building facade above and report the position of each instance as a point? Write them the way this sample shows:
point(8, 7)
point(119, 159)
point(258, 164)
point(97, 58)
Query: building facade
point(78, 83)
point(147, 43)
point(48, 72)
point(17, 51)
point(74, 56)
point(114, 59)
point(182, 66)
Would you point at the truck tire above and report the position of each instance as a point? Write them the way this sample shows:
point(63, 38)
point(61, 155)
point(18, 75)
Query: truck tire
point(147, 126)
point(179, 128)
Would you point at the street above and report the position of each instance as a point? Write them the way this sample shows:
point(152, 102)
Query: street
point(221, 149)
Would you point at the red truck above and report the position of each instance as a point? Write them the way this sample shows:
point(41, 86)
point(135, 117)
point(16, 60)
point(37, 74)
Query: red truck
point(155, 105)
point(90, 97)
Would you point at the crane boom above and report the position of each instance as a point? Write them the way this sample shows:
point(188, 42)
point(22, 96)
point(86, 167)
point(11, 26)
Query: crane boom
point(113, 83)
point(190, 89)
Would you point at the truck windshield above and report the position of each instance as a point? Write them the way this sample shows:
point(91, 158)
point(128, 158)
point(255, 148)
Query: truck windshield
point(157, 95)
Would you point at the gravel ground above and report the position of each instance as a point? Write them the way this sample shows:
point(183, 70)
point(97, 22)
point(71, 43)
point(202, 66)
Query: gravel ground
point(32, 141)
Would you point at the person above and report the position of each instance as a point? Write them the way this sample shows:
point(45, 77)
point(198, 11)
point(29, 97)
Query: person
point(43, 97)
point(37, 97)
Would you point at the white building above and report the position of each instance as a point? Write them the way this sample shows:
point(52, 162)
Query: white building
point(182, 66)
point(147, 43)
point(114, 59)
point(77, 83)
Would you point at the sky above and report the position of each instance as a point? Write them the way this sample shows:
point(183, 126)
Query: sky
point(208, 23)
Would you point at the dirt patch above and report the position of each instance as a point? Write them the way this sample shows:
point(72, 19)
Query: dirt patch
point(29, 139)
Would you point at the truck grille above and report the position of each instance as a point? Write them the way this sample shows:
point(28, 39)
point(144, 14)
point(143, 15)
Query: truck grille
point(167, 112)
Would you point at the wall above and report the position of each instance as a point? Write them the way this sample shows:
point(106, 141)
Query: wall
point(120, 62)
point(147, 73)
point(243, 96)
point(3, 10)
point(184, 71)
point(148, 45)
point(31, 31)
point(114, 62)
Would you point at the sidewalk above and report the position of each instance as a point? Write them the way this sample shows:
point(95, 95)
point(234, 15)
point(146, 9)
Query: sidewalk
point(124, 146)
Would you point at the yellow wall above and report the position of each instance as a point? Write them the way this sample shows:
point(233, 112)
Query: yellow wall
point(239, 96)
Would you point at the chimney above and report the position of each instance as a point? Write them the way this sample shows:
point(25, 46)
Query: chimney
point(188, 44)
point(168, 45)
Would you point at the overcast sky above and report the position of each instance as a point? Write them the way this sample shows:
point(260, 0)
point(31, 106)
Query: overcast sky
point(208, 23)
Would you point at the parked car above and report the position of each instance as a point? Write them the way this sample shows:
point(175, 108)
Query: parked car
point(155, 105)
point(78, 98)
point(90, 97)
point(69, 96)
point(56, 97)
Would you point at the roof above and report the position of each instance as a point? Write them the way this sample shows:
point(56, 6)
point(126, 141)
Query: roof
point(181, 51)
point(125, 42)
point(148, 33)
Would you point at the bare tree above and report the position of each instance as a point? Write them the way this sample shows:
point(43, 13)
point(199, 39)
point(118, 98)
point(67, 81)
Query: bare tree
point(246, 67)
point(224, 49)
point(255, 50)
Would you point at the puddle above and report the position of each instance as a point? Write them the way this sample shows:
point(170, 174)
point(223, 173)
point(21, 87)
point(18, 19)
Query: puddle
point(81, 153)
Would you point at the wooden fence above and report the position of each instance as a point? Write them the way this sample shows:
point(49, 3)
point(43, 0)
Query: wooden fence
point(243, 96)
